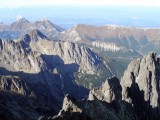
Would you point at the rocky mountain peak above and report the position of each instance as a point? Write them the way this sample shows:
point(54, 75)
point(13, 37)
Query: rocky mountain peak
point(143, 73)
point(45, 24)
point(103, 104)
point(35, 36)
point(20, 25)
point(140, 84)
point(108, 92)
point(44, 20)
point(22, 20)
point(69, 105)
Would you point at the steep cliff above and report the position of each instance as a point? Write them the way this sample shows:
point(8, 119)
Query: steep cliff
point(140, 86)
point(136, 97)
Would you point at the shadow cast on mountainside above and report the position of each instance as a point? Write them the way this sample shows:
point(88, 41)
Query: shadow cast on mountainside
point(49, 87)
point(66, 72)
point(139, 109)
point(63, 78)
point(142, 107)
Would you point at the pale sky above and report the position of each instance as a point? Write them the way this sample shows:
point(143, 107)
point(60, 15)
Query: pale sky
point(21, 3)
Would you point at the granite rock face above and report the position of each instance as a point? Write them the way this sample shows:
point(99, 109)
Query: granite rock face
point(140, 85)
point(15, 58)
point(109, 91)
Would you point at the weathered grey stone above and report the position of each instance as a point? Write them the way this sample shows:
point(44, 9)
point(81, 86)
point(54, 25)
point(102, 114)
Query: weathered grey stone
point(109, 91)
point(140, 86)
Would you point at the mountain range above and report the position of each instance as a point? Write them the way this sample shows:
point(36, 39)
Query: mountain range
point(109, 40)
point(131, 40)
point(84, 72)
point(22, 26)
point(41, 71)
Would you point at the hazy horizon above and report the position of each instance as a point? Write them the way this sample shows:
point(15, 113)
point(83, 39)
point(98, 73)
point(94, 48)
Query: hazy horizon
point(67, 14)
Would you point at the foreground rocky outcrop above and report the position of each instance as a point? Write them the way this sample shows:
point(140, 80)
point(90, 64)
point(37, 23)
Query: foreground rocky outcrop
point(108, 92)
point(136, 97)
point(140, 86)
point(100, 106)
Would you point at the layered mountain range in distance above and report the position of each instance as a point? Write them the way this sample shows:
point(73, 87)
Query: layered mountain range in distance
point(82, 73)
